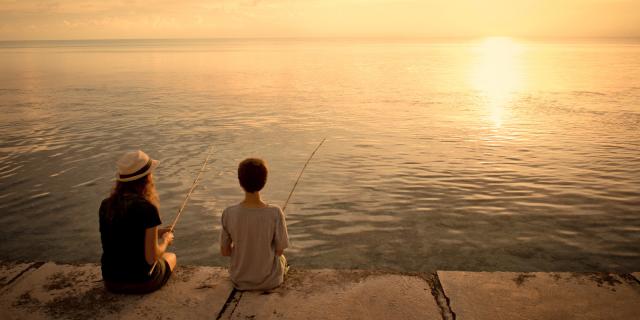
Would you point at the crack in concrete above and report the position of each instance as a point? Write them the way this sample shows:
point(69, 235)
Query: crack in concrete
point(34, 266)
point(441, 299)
point(230, 299)
point(630, 277)
point(236, 305)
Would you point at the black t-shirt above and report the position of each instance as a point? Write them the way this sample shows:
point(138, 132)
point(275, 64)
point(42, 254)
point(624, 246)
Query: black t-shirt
point(123, 237)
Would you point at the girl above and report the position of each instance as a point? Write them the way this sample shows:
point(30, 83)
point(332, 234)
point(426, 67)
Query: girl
point(129, 232)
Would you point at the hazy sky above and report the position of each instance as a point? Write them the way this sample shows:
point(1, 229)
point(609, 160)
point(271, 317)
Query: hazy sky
point(92, 19)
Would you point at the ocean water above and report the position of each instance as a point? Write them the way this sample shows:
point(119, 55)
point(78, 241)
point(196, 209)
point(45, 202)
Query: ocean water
point(491, 154)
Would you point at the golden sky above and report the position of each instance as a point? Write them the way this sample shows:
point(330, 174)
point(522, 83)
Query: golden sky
point(91, 19)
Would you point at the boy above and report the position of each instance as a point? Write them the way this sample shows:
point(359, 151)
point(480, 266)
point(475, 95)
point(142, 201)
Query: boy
point(254, 233)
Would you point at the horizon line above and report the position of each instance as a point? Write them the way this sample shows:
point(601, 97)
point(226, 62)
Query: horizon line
point(399, 38)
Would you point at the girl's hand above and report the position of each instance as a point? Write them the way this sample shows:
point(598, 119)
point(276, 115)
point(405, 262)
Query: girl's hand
point(167, 237)
point(163, 230)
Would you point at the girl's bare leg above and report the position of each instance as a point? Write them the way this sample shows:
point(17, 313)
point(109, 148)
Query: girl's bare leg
point(171, 259)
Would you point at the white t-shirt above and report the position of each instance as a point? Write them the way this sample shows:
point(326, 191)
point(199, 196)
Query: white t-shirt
point(256, 234)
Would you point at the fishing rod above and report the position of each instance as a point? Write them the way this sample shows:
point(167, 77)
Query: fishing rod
point(186, 199)
point(300, 175)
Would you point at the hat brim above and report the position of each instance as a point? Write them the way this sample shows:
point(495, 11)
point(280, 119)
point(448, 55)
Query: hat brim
point(154, 165)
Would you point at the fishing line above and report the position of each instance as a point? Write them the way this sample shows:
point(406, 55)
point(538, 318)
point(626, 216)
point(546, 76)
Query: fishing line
point(300, 175)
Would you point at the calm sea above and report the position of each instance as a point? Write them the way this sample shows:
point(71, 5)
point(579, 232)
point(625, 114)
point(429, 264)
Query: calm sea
point(495, 154)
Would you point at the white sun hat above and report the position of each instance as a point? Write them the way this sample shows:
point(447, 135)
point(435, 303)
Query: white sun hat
point(134, 165)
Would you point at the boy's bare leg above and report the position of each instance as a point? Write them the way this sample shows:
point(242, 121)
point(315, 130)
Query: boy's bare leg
point(284, 263)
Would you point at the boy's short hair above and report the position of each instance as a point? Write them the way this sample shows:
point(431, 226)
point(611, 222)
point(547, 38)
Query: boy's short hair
point(252, 174)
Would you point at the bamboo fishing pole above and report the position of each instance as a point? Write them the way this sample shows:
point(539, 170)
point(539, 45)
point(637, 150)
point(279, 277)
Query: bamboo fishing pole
point(186, 199)
point(300, 175)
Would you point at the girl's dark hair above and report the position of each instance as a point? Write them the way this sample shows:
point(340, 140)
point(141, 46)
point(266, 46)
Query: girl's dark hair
point(143, 187)
point(252, 174)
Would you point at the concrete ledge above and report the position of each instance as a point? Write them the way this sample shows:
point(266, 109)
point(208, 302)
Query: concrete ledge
point(345, 294)
point(76, 292)
point(508, 295)
point(53, 291)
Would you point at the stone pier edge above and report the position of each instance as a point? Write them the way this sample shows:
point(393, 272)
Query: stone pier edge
point(432, 280)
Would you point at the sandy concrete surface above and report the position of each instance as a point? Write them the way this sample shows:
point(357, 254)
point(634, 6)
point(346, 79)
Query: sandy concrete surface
point(508, 295)
point(54, 291)
point(76, 292)
point(344, 294)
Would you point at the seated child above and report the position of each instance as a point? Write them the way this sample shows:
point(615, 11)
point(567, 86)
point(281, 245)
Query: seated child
point(254, 234)
point(133, 260)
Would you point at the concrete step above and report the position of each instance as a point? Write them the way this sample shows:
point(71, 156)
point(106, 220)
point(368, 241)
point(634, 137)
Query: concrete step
point(344, 294)
point(564, 295)
point(56, 291)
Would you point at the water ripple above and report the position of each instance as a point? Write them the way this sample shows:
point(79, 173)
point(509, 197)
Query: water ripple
point(415, 175)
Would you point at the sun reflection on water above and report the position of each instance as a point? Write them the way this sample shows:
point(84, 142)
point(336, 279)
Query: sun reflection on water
point(497, 74)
